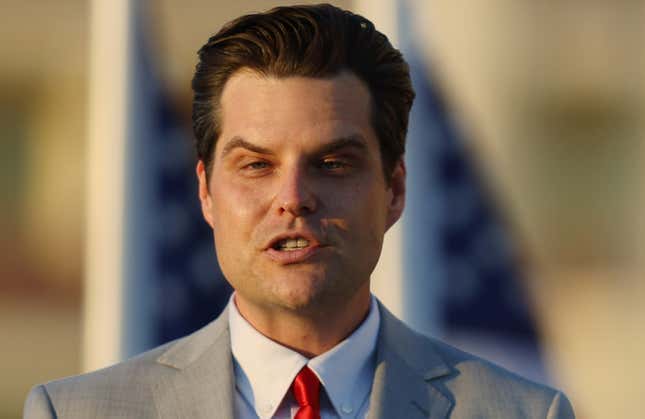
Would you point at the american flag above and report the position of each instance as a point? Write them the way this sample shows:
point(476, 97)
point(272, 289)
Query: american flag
point(482, 305)
point(176, 283)
point(191, 288)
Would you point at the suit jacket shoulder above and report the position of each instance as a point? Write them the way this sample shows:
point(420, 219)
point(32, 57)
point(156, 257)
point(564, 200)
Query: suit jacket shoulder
point(112, 386)
point(425, 377)
point(146, 385)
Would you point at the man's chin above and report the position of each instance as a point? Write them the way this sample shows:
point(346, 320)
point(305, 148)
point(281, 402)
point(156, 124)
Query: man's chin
point(301, 300)
point(307, 296)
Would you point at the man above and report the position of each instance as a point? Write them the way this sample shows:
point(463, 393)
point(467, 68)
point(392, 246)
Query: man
point(300, 116)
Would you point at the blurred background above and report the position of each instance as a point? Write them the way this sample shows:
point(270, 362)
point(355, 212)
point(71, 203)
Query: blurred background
point(524, 233)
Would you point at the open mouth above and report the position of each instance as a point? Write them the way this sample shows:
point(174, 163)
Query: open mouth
point(295, 248)
point(291, 244)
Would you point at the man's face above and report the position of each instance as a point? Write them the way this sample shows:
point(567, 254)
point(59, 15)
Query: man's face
point(297, 198)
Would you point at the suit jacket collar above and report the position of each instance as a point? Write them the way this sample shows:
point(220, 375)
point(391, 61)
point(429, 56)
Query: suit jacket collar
point(408, 367)
point(201, 383)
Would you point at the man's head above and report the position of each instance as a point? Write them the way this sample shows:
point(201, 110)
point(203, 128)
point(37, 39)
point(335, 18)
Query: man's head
point(310, 41)
point(300, 116)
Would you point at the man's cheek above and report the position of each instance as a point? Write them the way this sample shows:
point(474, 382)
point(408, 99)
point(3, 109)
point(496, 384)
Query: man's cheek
point(334, 230)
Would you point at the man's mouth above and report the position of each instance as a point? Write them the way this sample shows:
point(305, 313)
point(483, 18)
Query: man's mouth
point(294, 247)
point(291, 244)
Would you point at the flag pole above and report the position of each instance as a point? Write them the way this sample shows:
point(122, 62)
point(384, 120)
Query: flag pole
point(105, 183)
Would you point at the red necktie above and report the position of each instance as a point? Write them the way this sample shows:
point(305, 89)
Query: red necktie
point(306, 390)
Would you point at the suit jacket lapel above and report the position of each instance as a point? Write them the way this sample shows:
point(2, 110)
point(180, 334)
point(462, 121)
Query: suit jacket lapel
point(200, 383)
point(405, 381)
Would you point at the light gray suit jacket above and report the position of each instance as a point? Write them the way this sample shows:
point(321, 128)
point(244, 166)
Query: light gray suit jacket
point(416, 377)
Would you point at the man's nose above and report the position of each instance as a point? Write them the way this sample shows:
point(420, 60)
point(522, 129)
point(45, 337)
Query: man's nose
point(296, 194)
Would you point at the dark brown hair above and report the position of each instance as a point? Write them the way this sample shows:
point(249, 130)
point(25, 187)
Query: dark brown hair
point(311, 41)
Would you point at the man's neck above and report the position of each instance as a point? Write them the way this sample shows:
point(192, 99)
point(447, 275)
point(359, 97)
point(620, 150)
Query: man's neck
point(313, 332)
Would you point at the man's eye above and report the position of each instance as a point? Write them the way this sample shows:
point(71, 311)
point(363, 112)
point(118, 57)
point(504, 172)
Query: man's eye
point(257, 165)
point(333, 164)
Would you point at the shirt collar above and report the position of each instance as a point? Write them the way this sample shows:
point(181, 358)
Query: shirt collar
point(264, 369)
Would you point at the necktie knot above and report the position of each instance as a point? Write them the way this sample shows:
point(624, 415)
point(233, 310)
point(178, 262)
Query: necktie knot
point(306, 390)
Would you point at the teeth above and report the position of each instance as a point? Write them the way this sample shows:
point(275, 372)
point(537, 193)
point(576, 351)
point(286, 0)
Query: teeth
point(293, 244)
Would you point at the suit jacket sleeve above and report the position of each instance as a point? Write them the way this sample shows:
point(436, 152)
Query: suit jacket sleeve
point(38, 405)
point(560, 408)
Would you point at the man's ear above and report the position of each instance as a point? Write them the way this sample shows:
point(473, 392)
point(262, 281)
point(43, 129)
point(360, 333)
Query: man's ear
point(396, 195)
point(204, 194)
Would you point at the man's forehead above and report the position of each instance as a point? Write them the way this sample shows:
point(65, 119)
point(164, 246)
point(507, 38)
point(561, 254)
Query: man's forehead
point(264, 110)
point(249, 81)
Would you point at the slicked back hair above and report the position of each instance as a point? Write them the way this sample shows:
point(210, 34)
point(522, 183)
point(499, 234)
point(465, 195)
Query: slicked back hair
point(317, 41)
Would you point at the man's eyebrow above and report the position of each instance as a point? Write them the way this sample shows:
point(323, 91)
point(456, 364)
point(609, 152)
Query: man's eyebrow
point(239, 142)
point(352, 141)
